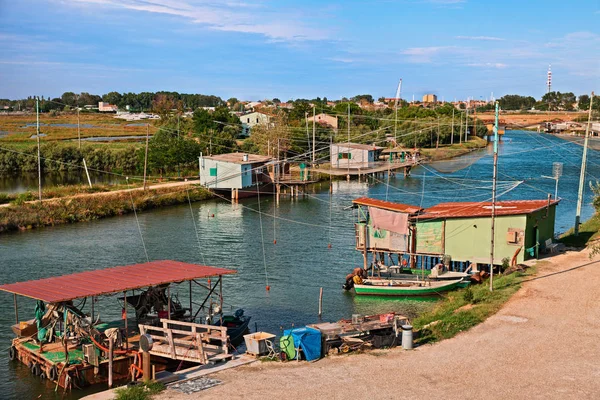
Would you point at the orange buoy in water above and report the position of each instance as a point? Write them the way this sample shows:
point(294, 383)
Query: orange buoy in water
point(329, 246)
point(275, 241)
point(268, 288)
point(209, 282)
point(213, 215)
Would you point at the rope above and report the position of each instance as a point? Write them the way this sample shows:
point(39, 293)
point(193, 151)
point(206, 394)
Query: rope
point(262, 237)
point(195, 227)
point(137, 221)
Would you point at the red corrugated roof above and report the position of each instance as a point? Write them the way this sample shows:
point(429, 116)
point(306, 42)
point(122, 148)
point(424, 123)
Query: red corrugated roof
point(387, 205)
point(112, 280)
point(473, 209)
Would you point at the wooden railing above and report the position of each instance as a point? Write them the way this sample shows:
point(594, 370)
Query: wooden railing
point(187, 341)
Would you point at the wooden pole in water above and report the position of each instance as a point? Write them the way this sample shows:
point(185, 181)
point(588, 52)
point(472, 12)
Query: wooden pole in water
point(110, 362)
point(16, 309)
point(320, 302)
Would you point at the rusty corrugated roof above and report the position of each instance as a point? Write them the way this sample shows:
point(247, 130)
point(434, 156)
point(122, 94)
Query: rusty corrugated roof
point(387, 205)
point(111, 280)
point(484, 209)
point(238, 158)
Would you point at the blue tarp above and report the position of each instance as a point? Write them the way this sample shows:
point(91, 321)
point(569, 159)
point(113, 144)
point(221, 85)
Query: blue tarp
point(308, 339)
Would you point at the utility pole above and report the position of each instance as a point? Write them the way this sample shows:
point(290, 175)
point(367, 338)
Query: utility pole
point(437, 143)
point(307, 135)
point(467, 125)
point(78, 131)
point(146, 153)
point(37, 114)
point(314, 131)
point(583, 165)
point(452, 134)
point(349, 140)
point(494, 196)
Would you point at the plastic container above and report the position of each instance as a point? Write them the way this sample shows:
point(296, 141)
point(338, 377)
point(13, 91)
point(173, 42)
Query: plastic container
point(407, 337)
point(256, 343)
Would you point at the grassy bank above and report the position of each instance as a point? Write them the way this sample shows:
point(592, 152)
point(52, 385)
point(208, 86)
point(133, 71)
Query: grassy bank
point(589, 231)
point(455, 150)
point(94, 206)
point(463, 309)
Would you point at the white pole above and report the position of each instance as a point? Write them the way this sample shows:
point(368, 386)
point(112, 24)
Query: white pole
point(37, 113)
point(78, 131)
point(146, 154)
point(314, 131)
point(87, 173)
point(583, 165)
point(494, 197)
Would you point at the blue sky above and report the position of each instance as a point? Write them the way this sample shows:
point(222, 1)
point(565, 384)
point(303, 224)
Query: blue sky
point(255, 49)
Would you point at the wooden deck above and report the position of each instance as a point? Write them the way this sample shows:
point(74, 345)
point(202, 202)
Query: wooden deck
point(372, 168)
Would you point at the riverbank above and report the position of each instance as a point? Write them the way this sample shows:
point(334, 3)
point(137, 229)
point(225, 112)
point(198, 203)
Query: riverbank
point(80, 203)
point(520, 352)
point(593, 142)
point(87, 207)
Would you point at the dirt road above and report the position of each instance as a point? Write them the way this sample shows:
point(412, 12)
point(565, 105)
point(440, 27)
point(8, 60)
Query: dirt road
point(544, 343)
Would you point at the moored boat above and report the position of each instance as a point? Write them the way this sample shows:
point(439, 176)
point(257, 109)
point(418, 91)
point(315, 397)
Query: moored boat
point(401, 287)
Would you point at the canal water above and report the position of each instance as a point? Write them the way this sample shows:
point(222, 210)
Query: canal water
point(298, 264)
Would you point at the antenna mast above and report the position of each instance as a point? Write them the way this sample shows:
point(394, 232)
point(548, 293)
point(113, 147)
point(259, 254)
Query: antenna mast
point(398, 91)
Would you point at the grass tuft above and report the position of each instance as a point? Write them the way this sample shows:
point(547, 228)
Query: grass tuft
point(451, 316)
point(139, 392)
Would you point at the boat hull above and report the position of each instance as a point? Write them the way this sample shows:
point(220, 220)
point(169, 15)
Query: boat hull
point(392, 290)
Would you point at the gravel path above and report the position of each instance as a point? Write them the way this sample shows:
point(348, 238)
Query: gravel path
point(544, 343)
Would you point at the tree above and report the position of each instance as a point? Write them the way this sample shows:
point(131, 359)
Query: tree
point(276, 101)
point(584, 102)
point(69, 98)
point(363, 98)
point(163, 106)
point(112, 98)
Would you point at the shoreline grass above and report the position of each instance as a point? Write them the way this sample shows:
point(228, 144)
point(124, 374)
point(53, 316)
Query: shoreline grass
point(589, 231)
point(25, 216)
point(463, 309)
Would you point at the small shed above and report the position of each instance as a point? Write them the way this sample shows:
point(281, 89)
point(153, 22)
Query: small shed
point(354, 155)
point(463, 229)
point(233, 170)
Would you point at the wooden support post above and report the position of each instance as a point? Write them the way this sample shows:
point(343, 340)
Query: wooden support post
point(110, 362)
point(146, 365)
point(169, 302)
point(320, 302)
point(87, 173)
point(191, 299)
point(221, 297)
point(125, 315)
point(93, 308)
point(16, 308)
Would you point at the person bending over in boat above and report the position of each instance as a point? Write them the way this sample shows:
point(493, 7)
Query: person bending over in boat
point(356, 277)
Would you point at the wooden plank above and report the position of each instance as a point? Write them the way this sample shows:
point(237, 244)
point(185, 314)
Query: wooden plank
point(171, 343)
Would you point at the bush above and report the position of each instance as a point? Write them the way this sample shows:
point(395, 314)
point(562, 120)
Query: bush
point(468, 295)
point(139, 392)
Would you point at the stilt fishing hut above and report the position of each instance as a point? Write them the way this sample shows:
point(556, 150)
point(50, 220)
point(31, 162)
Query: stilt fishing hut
point(69, 344)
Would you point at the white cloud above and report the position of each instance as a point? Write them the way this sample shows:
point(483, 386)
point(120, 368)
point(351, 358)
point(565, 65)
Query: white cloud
point(425, 54)
point(488, 65)
point(491, 38)
point(244, 17)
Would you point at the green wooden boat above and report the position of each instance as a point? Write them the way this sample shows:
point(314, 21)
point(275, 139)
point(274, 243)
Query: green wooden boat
point(400, 287)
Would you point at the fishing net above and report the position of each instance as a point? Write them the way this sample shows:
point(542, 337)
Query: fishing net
point(456, 164)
